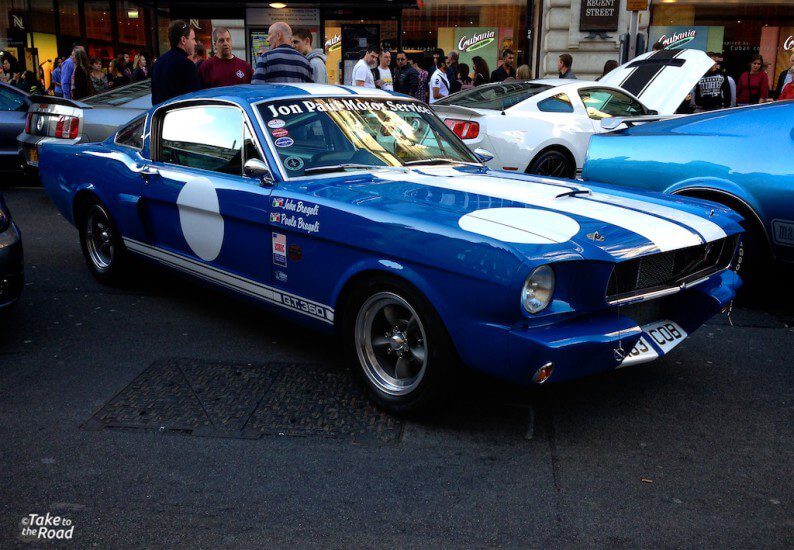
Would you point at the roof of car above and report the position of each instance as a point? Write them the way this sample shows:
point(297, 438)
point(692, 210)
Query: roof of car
point(260, 92)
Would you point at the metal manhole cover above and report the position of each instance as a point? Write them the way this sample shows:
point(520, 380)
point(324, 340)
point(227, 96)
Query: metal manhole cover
point(247, 401)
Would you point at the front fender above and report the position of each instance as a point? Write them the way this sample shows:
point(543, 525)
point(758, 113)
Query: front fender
point(723, 187)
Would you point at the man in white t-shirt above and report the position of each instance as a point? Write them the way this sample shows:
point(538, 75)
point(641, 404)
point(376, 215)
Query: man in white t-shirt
point(438, 83)
point(385, 80)
point(362, 72)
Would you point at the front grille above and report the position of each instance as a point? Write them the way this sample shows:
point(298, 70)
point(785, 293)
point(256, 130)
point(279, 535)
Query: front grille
point(669, 269)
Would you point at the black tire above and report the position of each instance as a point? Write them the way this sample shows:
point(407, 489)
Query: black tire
point(103, 249)
point(553, 163)
point(429, 383)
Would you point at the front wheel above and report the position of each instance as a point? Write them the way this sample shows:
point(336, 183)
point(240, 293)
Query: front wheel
point(401, 347)
point(103, 249)
point(553, 163)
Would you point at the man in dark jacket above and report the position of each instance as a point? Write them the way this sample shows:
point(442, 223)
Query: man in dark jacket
point(452, 72)
point(406, 78)
point(174, 73)
point(506, 69)
point(713, 91)
point(785, 77)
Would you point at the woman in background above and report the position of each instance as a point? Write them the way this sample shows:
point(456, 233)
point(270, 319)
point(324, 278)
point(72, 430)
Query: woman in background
point(464, 77)
point(523, 73)
point(116, 74)
point(482, 73)
point(753, 85)
point(98, 77)
point(81, 78)
point(139, 69)
point(609, 66)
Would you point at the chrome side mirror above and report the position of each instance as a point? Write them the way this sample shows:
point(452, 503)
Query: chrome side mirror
point(483, 155)
point(255, 168)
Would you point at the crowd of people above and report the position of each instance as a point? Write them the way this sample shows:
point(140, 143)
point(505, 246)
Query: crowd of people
point(292, 59)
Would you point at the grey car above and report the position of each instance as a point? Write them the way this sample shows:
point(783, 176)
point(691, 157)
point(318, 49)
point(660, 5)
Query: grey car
point(70, 121)
point(14, 105)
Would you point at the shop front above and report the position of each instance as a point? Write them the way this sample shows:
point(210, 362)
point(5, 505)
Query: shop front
point(738, 29)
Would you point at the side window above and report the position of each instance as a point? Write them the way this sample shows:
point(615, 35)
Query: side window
point(209, 137)
point(132, 134)
point(560, 103)
point(601, 103)
point(10, 100)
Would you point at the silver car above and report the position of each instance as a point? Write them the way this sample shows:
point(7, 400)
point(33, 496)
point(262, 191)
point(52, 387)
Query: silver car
point(92, 119)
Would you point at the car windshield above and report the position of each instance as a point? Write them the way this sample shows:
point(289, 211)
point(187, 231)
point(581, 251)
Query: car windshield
point(333, 134)
point(495, 96)
point(122, 95)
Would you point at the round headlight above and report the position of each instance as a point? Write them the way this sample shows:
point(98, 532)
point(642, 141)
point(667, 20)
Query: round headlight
point(538, 289)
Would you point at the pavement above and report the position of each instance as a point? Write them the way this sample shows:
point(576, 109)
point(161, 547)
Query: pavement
point(692, 450)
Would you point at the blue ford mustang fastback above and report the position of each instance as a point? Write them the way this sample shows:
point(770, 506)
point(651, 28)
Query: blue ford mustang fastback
point(358, 211)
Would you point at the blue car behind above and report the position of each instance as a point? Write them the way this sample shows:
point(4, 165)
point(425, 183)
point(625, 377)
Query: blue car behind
point(742, 158)
point(360, 213)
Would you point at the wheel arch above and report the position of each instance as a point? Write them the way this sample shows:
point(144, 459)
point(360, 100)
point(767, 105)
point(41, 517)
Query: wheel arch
point(82, 199)
point(732, 200)
point(562, 148)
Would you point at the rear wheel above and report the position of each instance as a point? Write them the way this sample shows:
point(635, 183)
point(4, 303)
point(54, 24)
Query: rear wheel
point(400, 346)
point(103, 249)
point(553, 163)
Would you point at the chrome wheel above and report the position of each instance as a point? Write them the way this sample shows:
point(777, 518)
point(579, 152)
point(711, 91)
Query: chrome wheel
point(99, 238)
point(391, 343)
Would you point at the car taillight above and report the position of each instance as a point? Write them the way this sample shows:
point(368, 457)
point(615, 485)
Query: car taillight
point(28, 120)
point(67, 127)
point(464, 129)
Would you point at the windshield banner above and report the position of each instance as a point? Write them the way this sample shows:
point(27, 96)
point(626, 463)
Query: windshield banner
point(343, 104)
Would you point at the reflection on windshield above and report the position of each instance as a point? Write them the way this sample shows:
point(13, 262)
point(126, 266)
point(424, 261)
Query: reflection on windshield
point(499, 96)
point(319, 132)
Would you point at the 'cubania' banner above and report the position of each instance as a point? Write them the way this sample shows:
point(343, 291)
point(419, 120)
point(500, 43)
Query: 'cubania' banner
point(474, 41)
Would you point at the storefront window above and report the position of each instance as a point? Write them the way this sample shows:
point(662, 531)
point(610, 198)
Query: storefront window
point(97, 20)
point(70, 17)
point(42, 16)
point(132, 23)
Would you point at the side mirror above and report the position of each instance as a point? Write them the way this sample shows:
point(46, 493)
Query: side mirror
point(483, 155)
point(653, 112)
point(255, 168)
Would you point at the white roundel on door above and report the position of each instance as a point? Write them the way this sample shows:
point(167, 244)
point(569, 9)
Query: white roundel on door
point(200, 218)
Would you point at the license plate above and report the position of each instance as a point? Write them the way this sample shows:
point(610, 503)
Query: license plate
point(664, 334)
point(33, 154)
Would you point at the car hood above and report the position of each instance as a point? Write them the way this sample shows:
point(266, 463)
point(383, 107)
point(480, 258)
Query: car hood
point(537, 214)
point(662, 79)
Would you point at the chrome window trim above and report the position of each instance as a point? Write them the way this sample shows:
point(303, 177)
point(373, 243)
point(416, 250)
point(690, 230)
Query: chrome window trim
point(274, 152)
point(153, 123)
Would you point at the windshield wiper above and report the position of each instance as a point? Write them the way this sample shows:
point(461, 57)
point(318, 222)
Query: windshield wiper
point(341, 168)
point(435, 160)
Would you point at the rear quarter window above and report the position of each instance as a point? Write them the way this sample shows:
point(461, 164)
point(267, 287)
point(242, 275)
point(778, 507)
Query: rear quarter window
point(132, 134)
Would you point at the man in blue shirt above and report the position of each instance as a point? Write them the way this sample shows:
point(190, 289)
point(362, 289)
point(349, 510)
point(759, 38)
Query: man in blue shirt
point(67, 70)
point(282, 63)
point(174, 73)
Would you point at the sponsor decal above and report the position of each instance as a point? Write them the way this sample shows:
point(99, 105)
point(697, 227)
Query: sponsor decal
point(276, 123)
point(783, 232)
point(46, 527)
point(297, 215)
point(343, 104)
point(280, 249)
point(334, 43)
point(275, 217)
point(279, 133)
point(678, 40)
point(284, 142)
point(278, 202)
point(280, 276)
point(295, 252)
point(476, 41)
point(293, 163)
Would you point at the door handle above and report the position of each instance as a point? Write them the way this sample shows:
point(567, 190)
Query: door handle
point(148, 170)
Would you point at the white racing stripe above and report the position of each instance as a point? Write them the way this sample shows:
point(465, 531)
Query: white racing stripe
point(665, 234)
point(234, 282)
point(707, 229)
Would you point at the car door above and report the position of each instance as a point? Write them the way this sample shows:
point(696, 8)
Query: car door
point(202, 215)
point(602, 102)
point(13, 110)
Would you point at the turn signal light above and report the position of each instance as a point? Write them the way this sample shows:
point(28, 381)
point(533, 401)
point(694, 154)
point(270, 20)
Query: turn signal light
point(543, 373)
point(464, 129)
point(67, 127)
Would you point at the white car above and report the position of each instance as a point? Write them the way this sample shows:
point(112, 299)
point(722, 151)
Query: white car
point(544, 126)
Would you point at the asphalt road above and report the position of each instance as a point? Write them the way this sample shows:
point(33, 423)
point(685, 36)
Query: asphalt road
point(694, 450)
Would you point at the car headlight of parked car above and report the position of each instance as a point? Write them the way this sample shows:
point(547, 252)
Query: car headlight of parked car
point(538, 289)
